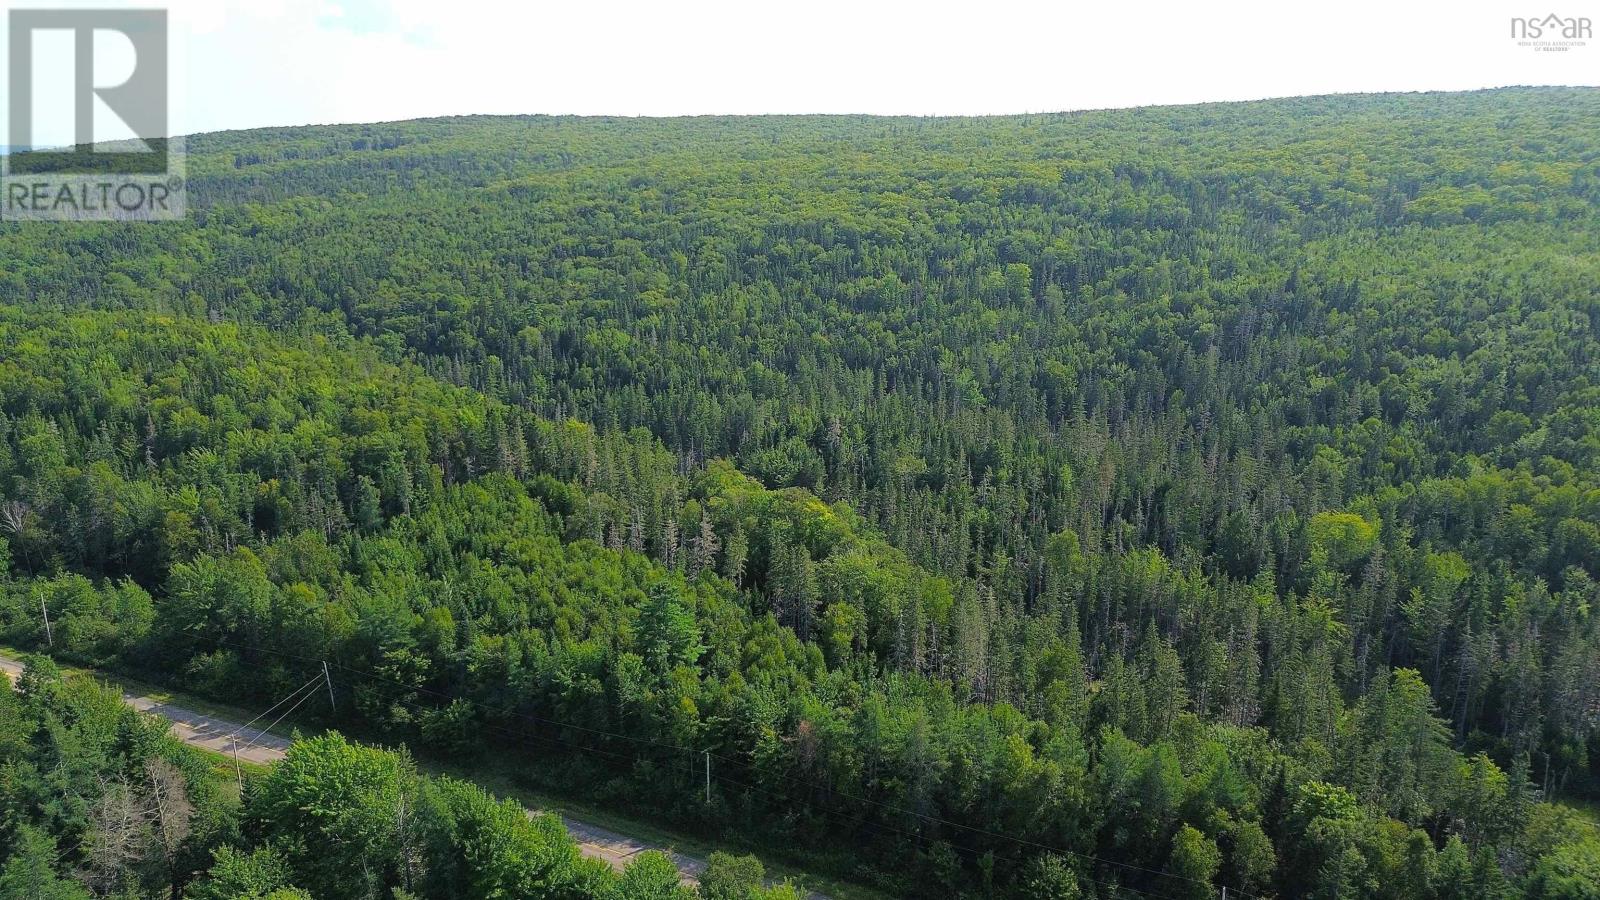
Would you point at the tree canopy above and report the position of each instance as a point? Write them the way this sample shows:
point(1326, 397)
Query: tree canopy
point(1151, 500)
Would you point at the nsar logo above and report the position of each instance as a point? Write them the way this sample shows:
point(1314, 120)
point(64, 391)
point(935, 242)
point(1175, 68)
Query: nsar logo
point(1552, 33)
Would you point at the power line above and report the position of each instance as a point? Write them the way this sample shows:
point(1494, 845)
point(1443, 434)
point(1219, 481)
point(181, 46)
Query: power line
point(397, 692)
point(507, 711)
point(972, 852)
point(925, 817)
point(262, 733)
point(269, 709)
point(976, 830)
point(399, 696)
point(1130, 867)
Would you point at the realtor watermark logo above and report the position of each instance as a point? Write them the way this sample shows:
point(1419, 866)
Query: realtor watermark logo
point(54, 71)
point(1552, 33)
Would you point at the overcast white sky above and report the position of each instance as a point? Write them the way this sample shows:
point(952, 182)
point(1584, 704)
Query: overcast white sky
point(250, 63)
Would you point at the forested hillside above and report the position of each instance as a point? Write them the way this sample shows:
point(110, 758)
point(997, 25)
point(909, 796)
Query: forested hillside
point(1153, 501)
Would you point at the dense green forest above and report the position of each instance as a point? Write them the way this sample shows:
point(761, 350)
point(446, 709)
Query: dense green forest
point(1112, 504)
point(87, 778)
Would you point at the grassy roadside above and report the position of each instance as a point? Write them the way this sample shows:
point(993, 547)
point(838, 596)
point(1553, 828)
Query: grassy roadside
point(223, 765)
point(498, 774)
point(222, 768)
point(501, 777)
point(137, 687)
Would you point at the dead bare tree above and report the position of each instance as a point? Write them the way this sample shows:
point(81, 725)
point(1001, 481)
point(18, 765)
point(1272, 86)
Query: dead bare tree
point(143, 820)
point(14, 516)
point(170, 811)
point(118, 836)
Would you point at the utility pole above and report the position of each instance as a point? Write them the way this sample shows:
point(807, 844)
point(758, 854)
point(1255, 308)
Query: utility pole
point(329, 679)
point(48, 636)
point(708, 777)
point(237, 772)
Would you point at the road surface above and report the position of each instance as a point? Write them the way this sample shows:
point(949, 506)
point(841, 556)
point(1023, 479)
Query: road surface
point(222, 736)
point(198, 729)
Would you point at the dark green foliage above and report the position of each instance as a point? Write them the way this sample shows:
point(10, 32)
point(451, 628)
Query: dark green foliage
point(667, 632)
point(236, 874)
point(1207, 494)
point(480, 847)
point(336, 809)
point(729, 877)
point(652, 876)
point(335, 819)
point(29, 872)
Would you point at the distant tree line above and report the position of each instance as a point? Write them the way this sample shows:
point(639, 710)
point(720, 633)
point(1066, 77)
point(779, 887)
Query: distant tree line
point(1207, 495)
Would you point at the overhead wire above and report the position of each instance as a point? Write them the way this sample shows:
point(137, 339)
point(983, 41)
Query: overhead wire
point(269, 709)
point(972, 852)
point(507, 711)
point(262, 733)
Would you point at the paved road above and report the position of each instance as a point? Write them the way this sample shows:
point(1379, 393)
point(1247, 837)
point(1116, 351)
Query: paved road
point(221, 736)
